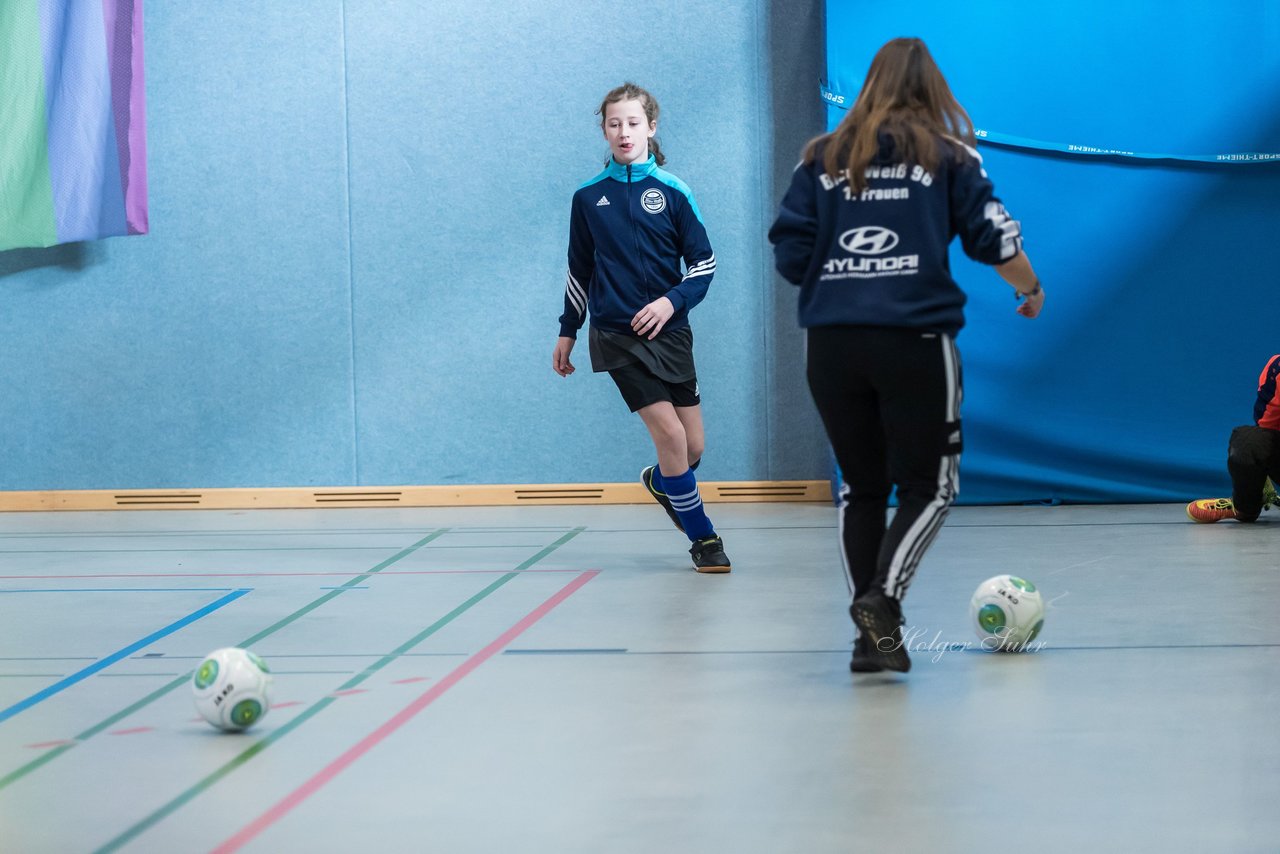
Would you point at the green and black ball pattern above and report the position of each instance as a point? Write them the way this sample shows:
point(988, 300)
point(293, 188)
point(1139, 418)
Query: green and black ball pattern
point(245, 712)
point(207, 674)
point(992, 619)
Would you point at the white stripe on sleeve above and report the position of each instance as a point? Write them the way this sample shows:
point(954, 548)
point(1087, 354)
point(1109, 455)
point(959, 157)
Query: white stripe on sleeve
point(575, 293)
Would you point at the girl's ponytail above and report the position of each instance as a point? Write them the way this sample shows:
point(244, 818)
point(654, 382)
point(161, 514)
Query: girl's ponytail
point(658, 156)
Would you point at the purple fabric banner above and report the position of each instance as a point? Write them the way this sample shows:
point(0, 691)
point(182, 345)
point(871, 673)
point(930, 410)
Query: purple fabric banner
point(73, 163)
point(123, 19)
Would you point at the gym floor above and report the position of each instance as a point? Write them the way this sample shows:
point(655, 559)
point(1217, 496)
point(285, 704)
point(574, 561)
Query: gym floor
point(558, 679)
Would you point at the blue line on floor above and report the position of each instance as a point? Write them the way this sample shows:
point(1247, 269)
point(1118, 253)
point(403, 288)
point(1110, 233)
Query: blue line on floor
point(103, 663)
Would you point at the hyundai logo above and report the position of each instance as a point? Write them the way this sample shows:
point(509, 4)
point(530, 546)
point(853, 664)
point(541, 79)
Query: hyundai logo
point(869, 240)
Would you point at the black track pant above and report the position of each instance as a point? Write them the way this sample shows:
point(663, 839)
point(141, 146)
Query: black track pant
point(890, 400)
point(1253, 455)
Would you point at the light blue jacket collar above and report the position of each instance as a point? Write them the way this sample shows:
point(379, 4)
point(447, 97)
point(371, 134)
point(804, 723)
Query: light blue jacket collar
point(639, 171)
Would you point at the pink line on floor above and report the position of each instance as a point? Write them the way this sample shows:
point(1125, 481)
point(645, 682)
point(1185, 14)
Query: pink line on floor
point(133, 731)
point(432, 694)
point(410, 679)
point(43, 744)
point(349, 692)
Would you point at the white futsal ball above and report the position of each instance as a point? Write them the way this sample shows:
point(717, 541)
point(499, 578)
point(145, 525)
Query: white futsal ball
point(232, 688)
point(1007, 613)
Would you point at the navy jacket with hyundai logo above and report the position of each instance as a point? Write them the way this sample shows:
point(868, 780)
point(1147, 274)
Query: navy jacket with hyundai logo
point(879, 257)
point(629, 227)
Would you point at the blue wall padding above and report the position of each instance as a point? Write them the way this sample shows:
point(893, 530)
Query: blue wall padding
point(356, 265)
point(1162, 289)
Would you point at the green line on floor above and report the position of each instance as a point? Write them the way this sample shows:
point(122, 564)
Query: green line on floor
point(320, 705)
point(45, 758)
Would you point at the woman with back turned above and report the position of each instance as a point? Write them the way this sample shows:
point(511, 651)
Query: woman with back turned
point(864, 230)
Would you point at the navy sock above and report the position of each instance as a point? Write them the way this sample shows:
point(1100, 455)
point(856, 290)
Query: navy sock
point(657, 471)
point(683, 492)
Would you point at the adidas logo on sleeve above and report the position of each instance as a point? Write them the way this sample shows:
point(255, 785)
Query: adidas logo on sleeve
point(604, 200)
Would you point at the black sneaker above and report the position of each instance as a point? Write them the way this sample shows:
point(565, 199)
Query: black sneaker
point(879, 619)
point(863, 661)
point(646, 477)
point(709, 556)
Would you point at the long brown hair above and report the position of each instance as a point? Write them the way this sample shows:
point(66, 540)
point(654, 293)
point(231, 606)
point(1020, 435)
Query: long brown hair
point(631, 92)
point(906, 97)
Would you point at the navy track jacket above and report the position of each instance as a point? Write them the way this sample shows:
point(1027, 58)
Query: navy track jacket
point(629, 227)
point(879, 257)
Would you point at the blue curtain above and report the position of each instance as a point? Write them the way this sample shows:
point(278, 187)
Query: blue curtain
point(1162, 276)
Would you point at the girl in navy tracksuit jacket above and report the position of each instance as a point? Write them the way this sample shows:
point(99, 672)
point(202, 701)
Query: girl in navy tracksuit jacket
point(863, 230)
point(629, 228)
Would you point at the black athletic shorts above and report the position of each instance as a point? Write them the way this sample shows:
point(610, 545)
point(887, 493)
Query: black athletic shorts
point(640, 387)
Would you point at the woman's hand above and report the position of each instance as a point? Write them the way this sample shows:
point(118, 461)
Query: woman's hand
point(653, 317)
point(560, 357)
point(1032, 303)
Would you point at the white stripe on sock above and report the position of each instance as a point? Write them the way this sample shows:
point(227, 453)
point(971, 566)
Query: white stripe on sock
point(686, 501)
point(844, 555)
